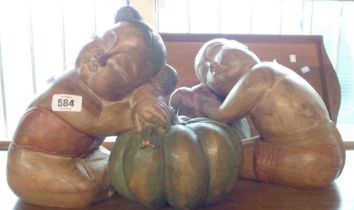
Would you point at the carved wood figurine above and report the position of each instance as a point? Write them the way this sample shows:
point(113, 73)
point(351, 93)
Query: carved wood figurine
point(117, 85)
point(298, 144)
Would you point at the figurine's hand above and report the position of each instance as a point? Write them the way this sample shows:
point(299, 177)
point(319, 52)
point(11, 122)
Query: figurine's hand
point(183, 102)
point(180, 96)
point(208, 104)
point(197, 101)
point(150, 112)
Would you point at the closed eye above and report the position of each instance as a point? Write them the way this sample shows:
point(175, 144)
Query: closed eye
point(109, 40)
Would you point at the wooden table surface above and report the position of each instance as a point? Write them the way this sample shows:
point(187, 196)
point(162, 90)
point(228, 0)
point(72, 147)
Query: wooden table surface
point(246, 195)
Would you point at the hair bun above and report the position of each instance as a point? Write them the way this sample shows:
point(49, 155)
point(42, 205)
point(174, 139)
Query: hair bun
point(128, 13)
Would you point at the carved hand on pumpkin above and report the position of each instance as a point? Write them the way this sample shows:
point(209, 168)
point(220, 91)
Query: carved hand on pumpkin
point(183, 102)
point(195, 101)
point(150, 111)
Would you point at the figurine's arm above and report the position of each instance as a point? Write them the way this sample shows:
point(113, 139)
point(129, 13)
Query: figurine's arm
point(148, 106)
point(242, 98)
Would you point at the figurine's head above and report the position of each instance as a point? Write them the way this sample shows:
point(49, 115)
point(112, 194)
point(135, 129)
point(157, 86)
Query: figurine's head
point(125, 57)
point(220, 63)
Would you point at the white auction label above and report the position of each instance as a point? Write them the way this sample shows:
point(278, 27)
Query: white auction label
point(66, 103)
point(305, 69)
point(292, 58)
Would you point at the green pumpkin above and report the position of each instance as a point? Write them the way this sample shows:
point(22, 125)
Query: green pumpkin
point(192, 163)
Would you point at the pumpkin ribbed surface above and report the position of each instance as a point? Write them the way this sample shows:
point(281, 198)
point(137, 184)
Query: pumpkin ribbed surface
point(192, 163)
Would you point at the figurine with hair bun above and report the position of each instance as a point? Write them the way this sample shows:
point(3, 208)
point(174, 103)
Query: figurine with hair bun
point(120, 78)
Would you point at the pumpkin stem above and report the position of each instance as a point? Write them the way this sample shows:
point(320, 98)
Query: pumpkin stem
point(149, 138)
point(179, 119)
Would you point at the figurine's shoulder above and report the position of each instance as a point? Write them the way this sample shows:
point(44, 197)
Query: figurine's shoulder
point(67, 85)
point(272, 68)
point(265, 67)
point(65, 81)
point(261, 72)
point(271, 71)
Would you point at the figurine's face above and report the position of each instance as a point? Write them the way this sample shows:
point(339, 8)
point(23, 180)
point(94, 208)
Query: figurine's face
point(116, 63)
point(221, 63)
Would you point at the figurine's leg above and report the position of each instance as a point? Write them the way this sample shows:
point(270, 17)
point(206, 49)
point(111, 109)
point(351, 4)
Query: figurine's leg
point(51, 180)
point(248, 158)
point(52, 164)
point(309, 161)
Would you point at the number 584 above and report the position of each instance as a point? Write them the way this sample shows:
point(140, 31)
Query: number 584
point(65, 102)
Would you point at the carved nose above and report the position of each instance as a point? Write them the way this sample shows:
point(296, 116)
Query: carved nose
point(103, 60)
point(215, 68)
